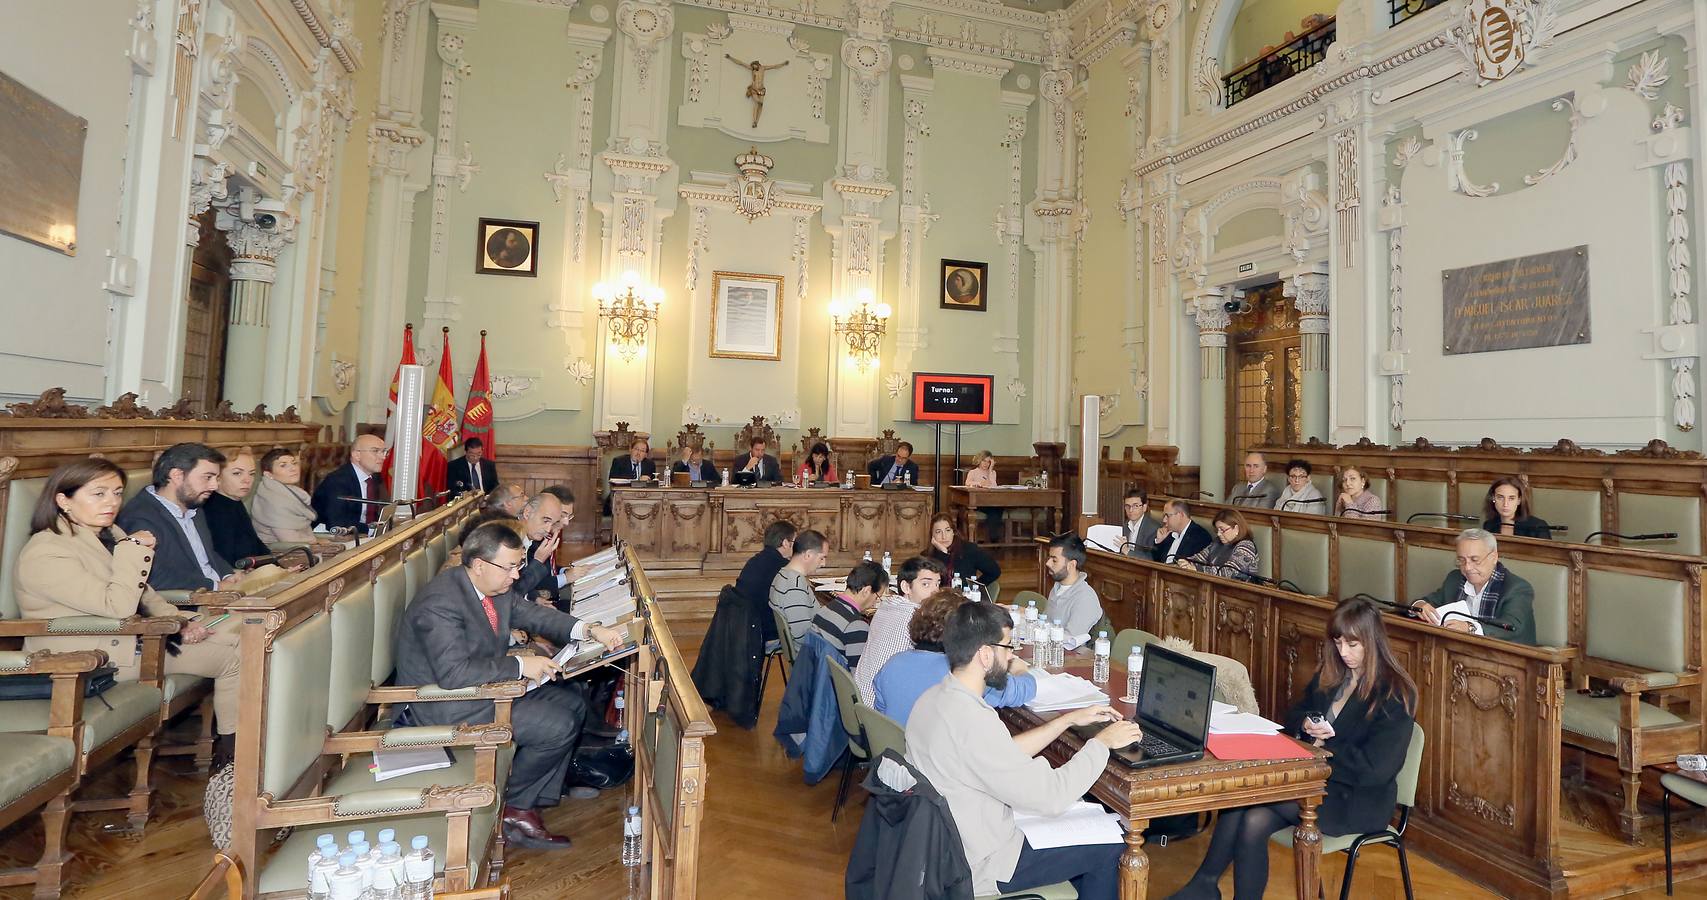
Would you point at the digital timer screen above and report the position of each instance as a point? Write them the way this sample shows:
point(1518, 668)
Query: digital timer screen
point(952, 398)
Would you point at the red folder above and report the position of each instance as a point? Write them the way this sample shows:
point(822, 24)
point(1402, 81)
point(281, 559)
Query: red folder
point(1255, 746)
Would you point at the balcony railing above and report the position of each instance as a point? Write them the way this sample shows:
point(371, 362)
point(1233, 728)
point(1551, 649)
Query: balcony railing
point(1404, 9)
point(1297, 56)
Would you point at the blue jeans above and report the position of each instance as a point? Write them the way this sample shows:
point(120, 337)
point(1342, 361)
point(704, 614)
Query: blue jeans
point(1094, 870)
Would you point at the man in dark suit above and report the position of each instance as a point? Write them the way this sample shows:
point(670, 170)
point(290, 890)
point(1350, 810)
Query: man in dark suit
point(1486, 589)
point(184, 477)
point(754, 582)
point(694, 463)
point(473, 472)
point(637, 464)
point(757, 465)
point(455, 633)
point(894, 468)
point(1179, 537)
point(1137, 529)
point(1257, 491)
point(356, 479)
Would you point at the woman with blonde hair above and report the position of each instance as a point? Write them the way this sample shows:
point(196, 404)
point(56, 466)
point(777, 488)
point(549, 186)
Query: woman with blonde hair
point(1356, 501)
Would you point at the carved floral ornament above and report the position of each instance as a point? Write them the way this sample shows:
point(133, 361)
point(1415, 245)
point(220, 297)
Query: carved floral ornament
point(52, 405)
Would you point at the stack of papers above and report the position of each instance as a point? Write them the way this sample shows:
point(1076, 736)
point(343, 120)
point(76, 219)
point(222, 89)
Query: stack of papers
point(389, 764)
point(607, 555)
point(1059, 691)
point(1224, 718)
point(1084, 823)
point(608, 607)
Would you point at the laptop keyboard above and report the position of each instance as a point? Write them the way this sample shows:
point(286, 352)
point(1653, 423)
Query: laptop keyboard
point(1155, 746)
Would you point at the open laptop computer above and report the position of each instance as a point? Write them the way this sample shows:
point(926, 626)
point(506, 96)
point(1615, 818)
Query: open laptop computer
point(1174, 696)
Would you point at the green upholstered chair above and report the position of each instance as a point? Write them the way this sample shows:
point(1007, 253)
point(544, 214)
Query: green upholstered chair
point(881, 732)
point(1025, 597)
point(40, 771)
point(1351, 844)
point(788, 646)
point(859, 748)
point(1671, 783)
point(1121, 646)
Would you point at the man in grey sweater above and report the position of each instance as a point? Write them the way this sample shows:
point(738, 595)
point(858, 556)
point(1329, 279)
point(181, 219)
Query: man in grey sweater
point(961, 746)
point(791, 591)
point(1072, 601)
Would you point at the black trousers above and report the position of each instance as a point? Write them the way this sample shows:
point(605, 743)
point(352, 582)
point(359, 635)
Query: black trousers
point(1094, 870)
point(547, 727)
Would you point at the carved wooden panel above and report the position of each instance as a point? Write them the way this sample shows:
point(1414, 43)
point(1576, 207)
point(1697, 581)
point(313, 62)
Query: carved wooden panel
point(1483, 737)
point(1238, 629)
point(909, 532)
point(640, 522)
point(687, 526)
point(863, 526)
point(1300, 635)
point(1178, 616)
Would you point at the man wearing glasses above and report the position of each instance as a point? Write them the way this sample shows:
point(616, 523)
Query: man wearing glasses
point(455, 635)
point(1179, 537)
point(337, 497)
point(1482, 591)
point(1137, 530)
point(962, 748)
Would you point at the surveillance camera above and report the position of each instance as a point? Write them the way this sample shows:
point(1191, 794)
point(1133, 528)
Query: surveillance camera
point(266, 221)
point(1237, 307)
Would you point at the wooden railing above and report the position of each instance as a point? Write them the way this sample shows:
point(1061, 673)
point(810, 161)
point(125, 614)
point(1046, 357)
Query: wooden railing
point(670, 765)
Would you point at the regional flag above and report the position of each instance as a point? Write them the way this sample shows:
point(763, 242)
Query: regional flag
point(438, 431)
point(477, 415)
point(408, 359)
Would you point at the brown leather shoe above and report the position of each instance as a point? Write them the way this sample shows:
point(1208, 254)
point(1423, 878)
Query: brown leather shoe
point(524, 828)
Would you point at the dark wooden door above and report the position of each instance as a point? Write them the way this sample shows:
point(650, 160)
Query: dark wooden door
point(1265, 365)
point(208, 302)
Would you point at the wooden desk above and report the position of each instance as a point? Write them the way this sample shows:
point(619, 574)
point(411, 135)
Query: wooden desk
point(969, 500)
point(1208, 784)
point(720, 528)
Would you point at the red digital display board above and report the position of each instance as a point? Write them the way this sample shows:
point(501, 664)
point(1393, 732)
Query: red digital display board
point(966, 399)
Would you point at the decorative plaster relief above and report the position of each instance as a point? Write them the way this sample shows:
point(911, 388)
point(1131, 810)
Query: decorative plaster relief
point(1304, 210)
point(1346, 168)
point(559, 177)
point(895, 383)
point(466, 168)
point(647, 25)
point(1648, 75)
point(1569, 156)
point(1455, 175)
point(581, 370)
point(1016, 389)
point(867, 62)
point(1498, 37)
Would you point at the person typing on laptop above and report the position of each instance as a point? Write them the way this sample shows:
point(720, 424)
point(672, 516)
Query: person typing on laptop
point(1360, 706)
point(961, 746)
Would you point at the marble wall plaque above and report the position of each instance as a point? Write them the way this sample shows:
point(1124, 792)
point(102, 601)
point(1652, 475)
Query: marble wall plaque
point(1530, 301)
point(41, 168)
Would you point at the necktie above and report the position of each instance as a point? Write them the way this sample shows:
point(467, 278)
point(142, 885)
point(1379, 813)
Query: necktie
point(476, 468)
point(894, 473)
point(637, 468)
point(491, 613)
point(367, 494)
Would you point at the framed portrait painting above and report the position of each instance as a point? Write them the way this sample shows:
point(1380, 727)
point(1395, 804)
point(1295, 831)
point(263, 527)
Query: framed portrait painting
point(965, 285)
point(507, 247)
point(746, 316)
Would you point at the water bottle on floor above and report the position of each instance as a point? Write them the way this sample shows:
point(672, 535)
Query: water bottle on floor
point(1099, 673)
point(1134, 668)
point(364, 865)
point(621, 704)
point(346, 879)
point(631, 837)
point(322, 860)
point(388, 873)
point(418, 870)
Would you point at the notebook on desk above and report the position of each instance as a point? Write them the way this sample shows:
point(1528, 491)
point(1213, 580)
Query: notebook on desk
point(1174, 696)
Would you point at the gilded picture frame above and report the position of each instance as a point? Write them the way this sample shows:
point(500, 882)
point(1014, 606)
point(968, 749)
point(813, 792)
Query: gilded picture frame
point(746, 316)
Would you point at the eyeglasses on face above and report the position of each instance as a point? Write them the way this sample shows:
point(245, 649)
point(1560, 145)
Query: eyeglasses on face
point(1008, 647)
point(513, 569)
point(1472, 560)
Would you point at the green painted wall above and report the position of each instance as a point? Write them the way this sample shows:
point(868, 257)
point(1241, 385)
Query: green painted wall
point(1262, 23)
point(1252, 225)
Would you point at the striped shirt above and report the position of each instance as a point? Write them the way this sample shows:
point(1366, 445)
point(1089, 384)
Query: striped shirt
point(791, 595)
point(841, 624)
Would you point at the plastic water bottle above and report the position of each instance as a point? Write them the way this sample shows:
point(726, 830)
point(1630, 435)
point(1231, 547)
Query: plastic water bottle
point(847, 481)
point(1099, 673)
point(1043, 478)
point(1041, 655)
point(956, 583)
point(388, 872)
point(418, 870)
point(867, 556)
point(621, 704)
point(631, 837)
point(354, 838)
point(973, 593)
point(364, 865)
point(1134, 669)
point(1058, 645)
point(386, 836)
point(346, 881)
point(726, 476)
point(1031, 621)
point(322, 861)
point(886, 562)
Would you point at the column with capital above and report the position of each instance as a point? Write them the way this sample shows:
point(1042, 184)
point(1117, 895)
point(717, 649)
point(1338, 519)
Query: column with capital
point(254, 265)
point(1308, 289)
point(1207, 310)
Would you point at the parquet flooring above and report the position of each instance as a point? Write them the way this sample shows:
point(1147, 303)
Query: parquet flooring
point(766, 834)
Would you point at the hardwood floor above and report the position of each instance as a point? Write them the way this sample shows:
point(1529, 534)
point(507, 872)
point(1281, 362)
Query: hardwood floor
point(767, 834)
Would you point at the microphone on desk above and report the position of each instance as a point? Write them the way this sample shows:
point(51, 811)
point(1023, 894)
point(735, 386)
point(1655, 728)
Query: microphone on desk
point(1398, 608)
point(1558, 528)
point(1101, 546)
point(1451, 517)
point(1281, 583)
point(255, 562)
point(1283, 506)
point(1649, 536)
point(1209, 494)
point(1492, 623)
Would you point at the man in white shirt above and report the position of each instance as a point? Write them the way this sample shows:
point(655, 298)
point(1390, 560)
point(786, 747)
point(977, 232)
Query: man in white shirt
point(1137, 530)
point(1072, 602)
point(1257, 491)
point(919, 578)
point(962, 748)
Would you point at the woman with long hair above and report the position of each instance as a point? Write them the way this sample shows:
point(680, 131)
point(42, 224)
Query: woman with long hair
point(908, 674)
point(1356, 500)
point(962, 557)
point(983, 475)
point(1360, 705)
point(816, 468)
point(1233, 554)
point(1506, 510)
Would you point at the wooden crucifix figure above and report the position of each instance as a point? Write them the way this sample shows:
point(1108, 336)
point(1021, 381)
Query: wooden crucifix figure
point(756, 90)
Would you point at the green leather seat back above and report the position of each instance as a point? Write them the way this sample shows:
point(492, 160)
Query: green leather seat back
point(25, 493)
point(1597, 717)
point(417, 571)
point(1643, 514)
point(437, 549)
point(1263, 537)
point(28, 761)
point(389, 597)
point(1425, 569)
point(1578, 509)
point(1471, 495)
point(126, 704)
point(135, 480)
point(299, 682)
point(1327, 484)
point(352, 654)
point(1366, 566)
point(1636, 620)
point(1552, 583)
point(1304, 561)
point(1411, 497)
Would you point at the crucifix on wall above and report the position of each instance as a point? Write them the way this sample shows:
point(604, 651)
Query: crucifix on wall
point(756, 90)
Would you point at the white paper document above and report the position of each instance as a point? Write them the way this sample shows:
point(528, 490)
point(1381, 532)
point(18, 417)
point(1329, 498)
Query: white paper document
point(1058, 691)
point(1462, 607)
point(1107, 537)
point(607, 555)
point(1085, 823)
point(389, 764)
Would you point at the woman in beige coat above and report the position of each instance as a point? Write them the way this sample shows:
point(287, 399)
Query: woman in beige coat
point(280, 508)
point(78, 563)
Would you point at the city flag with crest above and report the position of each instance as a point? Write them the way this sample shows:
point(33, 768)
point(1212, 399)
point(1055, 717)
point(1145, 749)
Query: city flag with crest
point(477, 415)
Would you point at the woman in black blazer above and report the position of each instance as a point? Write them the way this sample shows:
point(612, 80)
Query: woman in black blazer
point(963, 558)
point(1506, 511)
point(1368, 705)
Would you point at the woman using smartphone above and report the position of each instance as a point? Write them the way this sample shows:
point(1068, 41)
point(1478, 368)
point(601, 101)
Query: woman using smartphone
point(1360, 705)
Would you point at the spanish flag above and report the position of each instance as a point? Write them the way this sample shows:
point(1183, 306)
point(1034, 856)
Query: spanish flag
point(477, 415)
point(408, 359)
point(438, 431)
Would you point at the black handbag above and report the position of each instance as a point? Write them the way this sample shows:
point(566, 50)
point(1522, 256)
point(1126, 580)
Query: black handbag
point(40, 687)
point(602, 768)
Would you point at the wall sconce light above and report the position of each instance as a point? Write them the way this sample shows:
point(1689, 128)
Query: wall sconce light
point(629, 309)
point(862, 327)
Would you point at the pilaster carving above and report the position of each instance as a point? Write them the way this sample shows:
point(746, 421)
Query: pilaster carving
point(867, 62)
point(219, 87)
point(1304, 210)
point(1347, 168)
point(647, 25)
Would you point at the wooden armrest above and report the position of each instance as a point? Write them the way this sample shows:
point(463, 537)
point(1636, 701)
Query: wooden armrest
point(1653, 681)
point(432, 693)
point(417, 737)
point(204, 597)
point(47, 662)
point(82, 626)
point(378, 803)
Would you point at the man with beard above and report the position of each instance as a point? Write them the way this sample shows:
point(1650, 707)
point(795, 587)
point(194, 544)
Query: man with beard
point(962, 748)
point(184, 477)
point(1072, 602)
